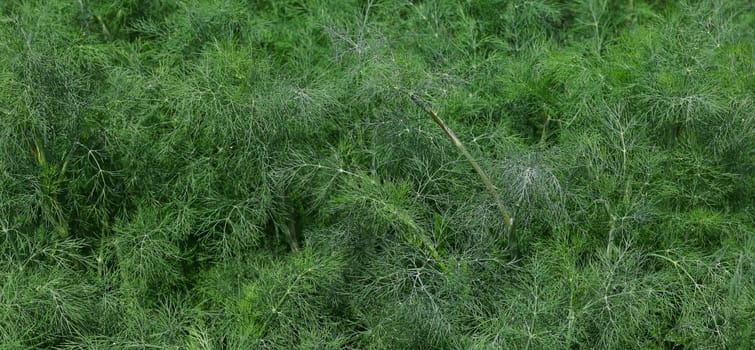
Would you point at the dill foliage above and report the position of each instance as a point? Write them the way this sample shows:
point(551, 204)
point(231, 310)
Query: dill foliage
point(256, 174)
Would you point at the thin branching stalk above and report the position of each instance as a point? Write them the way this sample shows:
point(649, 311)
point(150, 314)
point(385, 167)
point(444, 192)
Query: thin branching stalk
point(512, 239)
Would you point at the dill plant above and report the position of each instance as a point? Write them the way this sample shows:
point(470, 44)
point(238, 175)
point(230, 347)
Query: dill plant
point(231, 174)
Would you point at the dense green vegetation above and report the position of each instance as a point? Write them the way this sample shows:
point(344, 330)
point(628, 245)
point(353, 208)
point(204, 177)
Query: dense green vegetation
point(238, 174)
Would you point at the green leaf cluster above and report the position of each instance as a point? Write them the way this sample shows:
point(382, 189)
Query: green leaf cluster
point(240, 174)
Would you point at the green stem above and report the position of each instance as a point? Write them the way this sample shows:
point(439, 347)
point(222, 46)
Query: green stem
point(512, 239)
point(50, 178)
